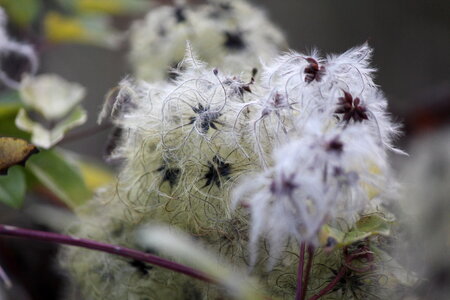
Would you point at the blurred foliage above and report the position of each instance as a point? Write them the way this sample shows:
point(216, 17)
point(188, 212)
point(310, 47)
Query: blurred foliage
point(112, 7)
point(70, 180)
point(22, 12)
point(60, 177)
point(74, 21)
point(367, 226)
point(13, 187)
point(91, 29)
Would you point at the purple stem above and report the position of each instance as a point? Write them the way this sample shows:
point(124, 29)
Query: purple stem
point(331, 285)
point(99, 246)
point(84, 133)
point(308, 270)
point(301, 262)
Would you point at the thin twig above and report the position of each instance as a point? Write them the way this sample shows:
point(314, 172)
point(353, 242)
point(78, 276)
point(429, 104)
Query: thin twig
point(85, 133)
point(301, 263)
point(99, 246)
point(308, 270)
point(346, 266)
point(331, 285)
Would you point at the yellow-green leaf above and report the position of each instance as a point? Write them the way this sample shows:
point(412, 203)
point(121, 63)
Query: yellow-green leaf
point(14, 151)
point(94, 173)
point(89, 29)
point(112, 7)
point(367, 226)
point(60, 177)
point(12, 187)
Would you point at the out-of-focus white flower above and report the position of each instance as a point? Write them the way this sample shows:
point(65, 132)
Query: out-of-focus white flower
point(50, 95)
point(315, 179)
point(57, 101)
point(13, 49)
point(226, 34)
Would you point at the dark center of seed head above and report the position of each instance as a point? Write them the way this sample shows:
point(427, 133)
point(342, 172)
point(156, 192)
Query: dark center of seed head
point(234, 41)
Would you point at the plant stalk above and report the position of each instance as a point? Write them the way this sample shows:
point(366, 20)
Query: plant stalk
point(308, 270)
point(103, 247)
point(301, 263)
point(331, 285)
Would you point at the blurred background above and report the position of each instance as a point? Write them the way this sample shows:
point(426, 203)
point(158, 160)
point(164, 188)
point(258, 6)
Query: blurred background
point(411, 39)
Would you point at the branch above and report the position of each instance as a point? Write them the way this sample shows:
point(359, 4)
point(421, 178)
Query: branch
point(308, 270)
point(103, 247)
point(301, 262)
point(331, 285)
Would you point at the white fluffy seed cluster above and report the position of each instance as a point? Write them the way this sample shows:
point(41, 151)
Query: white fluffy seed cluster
point(322, 135)
point(303, 146)
point(225, 33)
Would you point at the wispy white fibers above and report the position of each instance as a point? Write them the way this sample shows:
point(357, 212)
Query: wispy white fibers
point(328, 130)
point(303, 146)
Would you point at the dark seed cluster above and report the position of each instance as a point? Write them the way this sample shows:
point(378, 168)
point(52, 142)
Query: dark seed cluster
point(234, 41)
point(170, 175)
point(206, 118)
point(313, 71)
point(217, 169)
point(351, 109)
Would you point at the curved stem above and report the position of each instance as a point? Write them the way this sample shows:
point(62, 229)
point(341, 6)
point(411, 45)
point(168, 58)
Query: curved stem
point(301, 262)
point(99, 246)
point(331, 285)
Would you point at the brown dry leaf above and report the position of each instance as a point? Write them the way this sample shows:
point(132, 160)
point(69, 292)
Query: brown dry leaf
point(14, 151)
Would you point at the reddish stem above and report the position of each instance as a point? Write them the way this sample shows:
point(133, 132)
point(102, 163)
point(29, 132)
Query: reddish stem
point(85, 133)
point(308, 270)
point(331, 285)
point(99, 246)
point(301, 263)
point(348, 258)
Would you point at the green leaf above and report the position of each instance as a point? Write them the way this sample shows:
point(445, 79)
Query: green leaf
point(60, 177)
point(21, 12)
point(10, 104)
point(95, 173)
point(329, 237)
point(367, 226)
point(12, 187)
